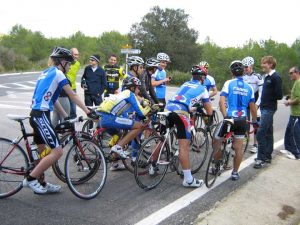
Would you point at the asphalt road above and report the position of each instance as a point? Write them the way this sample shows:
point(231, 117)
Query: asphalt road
point(121, 200)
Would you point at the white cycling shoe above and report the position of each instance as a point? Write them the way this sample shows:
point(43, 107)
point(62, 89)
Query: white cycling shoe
point(194, 184)
point(35, 186)
point(52, 188)
point(119, 151)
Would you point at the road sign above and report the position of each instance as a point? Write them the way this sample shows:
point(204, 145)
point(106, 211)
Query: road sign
point(131, 51)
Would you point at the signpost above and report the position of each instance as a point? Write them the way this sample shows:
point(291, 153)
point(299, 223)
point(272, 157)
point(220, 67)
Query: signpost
point(127, 49)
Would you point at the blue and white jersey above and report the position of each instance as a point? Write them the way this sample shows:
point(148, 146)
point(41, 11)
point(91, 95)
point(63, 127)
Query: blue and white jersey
point(189, 94)
point(160, 90)
point(48, 88)
point(239, 94)
point(209, 82)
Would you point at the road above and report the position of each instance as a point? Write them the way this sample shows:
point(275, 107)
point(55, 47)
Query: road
point(121, 201)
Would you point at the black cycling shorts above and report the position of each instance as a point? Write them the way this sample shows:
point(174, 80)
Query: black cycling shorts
point(239, 128)
point(44, 132)
point(182, 123)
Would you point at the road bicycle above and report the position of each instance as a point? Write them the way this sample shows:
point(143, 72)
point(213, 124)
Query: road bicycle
point(157, 154)
point(17, 163)
point(216, 166)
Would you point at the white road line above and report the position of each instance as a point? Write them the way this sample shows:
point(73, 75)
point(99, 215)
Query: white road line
point(23, 86)
point(189, 198)
point(8, 74)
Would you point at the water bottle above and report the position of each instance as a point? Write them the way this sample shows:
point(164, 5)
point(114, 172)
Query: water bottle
point(34, 152)
point(45, 152)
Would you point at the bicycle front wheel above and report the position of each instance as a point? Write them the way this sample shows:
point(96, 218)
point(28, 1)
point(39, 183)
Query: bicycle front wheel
point(152, 163)
point(246, 141)
point(85, 169)
point(198, 151)
point(13, 166)
point(214, 167)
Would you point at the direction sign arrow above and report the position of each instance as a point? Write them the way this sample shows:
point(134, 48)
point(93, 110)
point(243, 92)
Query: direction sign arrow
point(130, 51)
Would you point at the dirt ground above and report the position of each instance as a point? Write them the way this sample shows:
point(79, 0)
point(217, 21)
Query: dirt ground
point(270, 198)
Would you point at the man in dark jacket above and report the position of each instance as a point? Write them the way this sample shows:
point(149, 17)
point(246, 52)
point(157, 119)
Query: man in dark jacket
point(93, 82)
point(271, 93)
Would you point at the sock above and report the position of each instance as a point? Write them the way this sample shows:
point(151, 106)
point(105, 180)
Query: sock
point(187, 176)
point(30, 178)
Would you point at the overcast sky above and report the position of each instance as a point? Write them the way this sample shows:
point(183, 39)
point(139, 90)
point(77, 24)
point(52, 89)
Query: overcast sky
point(226, 22)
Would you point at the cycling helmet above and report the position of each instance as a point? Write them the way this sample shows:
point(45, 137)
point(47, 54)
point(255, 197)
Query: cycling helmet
point(248, 61)
point(204, 64)
point(129, 82)
point(163, 57)
point(152, 62)
point(134, 60)
point(62, 53)
point(237, 67)
point(199, 70)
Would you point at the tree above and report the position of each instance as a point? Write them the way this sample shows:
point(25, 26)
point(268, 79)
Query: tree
point(167, 31)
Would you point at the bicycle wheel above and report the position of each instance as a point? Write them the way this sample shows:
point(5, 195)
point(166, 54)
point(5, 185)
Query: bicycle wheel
point(214, 166)
point(65, 140)
point(85, 169)
point(246, 141)
point(198, 151)
point(13, 166)
point(150, 170)
point(88, 126)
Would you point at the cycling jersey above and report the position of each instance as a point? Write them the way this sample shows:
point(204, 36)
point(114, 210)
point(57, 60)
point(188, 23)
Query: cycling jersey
point(72, 74)
point(189, 94)
point(122, 103)
point(239, 94)
point(254, 79)
point(114, 74)
point(48, 88)
point(209, 82)
point(160, 90)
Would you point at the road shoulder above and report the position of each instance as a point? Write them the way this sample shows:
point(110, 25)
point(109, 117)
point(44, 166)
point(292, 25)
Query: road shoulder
point(271, 197)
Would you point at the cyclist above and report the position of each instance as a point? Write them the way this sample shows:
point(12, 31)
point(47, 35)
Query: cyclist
point(209, 81)
point(159, 78)
point(256, 81)
point(239, 95)
point(114, 75)
point(49, 85)
point(181, 105)
point(147, 90)
point(136, 66)
point(114, 113)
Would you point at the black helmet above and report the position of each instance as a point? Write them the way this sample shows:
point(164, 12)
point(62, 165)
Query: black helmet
point(199, 70)
point(129, 82)
point(62, 53)
point(237, 67)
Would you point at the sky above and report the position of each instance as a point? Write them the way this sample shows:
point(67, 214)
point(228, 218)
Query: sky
point(228, 23)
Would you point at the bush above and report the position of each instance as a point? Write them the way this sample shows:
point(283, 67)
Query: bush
point(178, 78)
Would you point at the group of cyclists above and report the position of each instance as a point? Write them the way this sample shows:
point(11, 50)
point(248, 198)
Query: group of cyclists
point(143, 91)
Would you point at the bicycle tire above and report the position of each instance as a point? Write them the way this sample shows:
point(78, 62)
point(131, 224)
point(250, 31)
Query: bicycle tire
point(12, 169)
point(86, 173)
point(214, 167)
point(246, 141)
point(59, 165)
point(198, 151)
point(145, 163)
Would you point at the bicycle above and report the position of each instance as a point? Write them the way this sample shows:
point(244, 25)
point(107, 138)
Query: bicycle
point(16, 163)
point(216, 167)
point(157, 154)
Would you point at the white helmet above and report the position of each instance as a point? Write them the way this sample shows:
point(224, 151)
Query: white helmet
point(152, 62)
point(248, 61)
point(134, 60)
point(163, 57)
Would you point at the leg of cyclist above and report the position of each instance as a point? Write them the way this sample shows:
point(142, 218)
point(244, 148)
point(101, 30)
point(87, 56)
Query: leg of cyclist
point(182, 123)
point(238, 148)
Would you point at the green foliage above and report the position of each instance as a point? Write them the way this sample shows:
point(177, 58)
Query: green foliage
point(167, 31)
point(178, 78)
